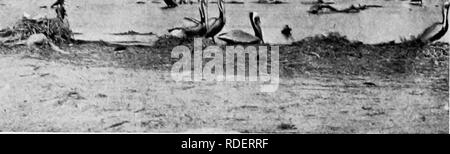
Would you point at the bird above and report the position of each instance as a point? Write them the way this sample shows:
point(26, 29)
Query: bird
point(204, 5)
point(60, 10)
point(170, 3)
point(216, 24)
point(322, 8)
point(316, 2)
point(416, 2)
point(241, 37)
point(287, 32)
point(351, 9)
point(438, 29)
point(140, 2)
point(198, 29)
point(57, 3)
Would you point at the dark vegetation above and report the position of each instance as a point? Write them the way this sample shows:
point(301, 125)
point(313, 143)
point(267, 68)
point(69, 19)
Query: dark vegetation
point(324, 54)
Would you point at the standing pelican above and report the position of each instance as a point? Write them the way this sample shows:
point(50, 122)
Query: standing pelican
point(438, 29)
point(198, 29)
point(241, 37)
point(204, 6)
point(215, 25)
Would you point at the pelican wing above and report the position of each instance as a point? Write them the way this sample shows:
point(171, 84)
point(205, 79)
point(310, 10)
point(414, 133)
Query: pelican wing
point(215, 26)
point(238, 37)
point(212, 21)
point(328, 7)
point(189, 31)
point(195, 21)
point(429, 33)
point(195, 30)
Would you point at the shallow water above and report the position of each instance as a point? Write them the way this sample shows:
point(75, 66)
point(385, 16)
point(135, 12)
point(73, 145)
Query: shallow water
point(97, 19)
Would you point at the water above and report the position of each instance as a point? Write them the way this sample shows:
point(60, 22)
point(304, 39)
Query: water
point(97, 19)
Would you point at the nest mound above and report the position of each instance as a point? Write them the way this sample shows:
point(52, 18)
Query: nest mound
point(335, 54)
point(56, 29)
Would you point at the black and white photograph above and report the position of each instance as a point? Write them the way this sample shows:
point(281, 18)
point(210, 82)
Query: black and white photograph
point(224, 67)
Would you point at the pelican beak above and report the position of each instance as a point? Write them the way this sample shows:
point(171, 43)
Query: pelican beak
point(221, 8)
point(202, 15)
point(204, 8)
point(252, 15)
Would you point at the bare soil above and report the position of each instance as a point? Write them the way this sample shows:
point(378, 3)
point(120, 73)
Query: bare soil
point(328, 85)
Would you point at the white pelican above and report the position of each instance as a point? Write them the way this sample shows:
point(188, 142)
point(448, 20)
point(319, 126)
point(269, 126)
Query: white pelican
point(438, 29)
point(241, 37)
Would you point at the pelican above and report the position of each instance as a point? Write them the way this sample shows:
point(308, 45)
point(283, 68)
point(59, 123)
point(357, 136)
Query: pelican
point(57, 3)
point(287, 32)
point(215, 24)
point(61, 12)
point(204, 5)
point(416, 2)
point(197, 30)
point(241, 37)
point(170, 3)
point(322, 8)
point(438, 29)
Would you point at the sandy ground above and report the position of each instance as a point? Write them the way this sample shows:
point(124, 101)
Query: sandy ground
point(39, 95)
